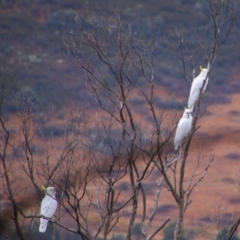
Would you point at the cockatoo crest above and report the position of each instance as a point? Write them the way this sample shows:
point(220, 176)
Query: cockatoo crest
point(51, 191)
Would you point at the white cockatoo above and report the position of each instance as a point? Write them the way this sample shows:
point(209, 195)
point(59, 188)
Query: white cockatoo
point(183, 128)
point(48, 207)
point(196, 86)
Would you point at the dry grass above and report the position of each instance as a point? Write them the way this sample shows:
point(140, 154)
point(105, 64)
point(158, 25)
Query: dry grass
point(218, 135)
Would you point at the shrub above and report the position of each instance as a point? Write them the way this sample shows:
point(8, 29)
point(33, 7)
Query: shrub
point(222, 235)
point(169, 232)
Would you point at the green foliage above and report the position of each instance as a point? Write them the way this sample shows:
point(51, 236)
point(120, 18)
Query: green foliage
point(223, 234)
point(169, 232)
point(137, 229)
point(119, 237)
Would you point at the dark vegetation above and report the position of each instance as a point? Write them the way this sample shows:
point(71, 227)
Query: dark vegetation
point(169, 232)
point(34, 233)
point(32, 33)
point(232, 156)
point(166, 208)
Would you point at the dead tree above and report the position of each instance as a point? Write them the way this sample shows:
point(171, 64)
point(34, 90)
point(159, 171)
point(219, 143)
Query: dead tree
point(116, 62)
point(106, 154)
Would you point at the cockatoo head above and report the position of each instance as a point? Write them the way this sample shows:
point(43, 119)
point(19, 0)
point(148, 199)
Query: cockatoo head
point(187, 113)
point(204, 71)
point(49, 191)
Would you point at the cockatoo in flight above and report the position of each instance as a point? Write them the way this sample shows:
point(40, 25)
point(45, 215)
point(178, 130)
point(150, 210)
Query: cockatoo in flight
point(196, 86)
point(183, 128)
point(48, 207)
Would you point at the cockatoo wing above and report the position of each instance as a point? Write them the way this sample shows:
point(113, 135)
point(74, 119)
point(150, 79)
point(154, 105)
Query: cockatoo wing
point(183, 128)
point(48, 208)
point(195, 90)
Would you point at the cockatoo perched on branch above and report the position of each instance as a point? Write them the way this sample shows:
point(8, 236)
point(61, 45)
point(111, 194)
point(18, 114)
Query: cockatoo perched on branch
point(48, 207)
point(196, 86)
point(183, 128)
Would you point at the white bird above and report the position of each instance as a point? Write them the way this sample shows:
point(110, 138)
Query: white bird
point(48, 207)
point(196, 86)
point(183, 128)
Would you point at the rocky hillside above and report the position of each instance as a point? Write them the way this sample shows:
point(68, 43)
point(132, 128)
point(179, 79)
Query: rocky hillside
point(31, 33)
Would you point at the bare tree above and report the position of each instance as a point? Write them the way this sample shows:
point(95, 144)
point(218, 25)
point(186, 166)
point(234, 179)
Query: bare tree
point(105, 154)
point(113, 78)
